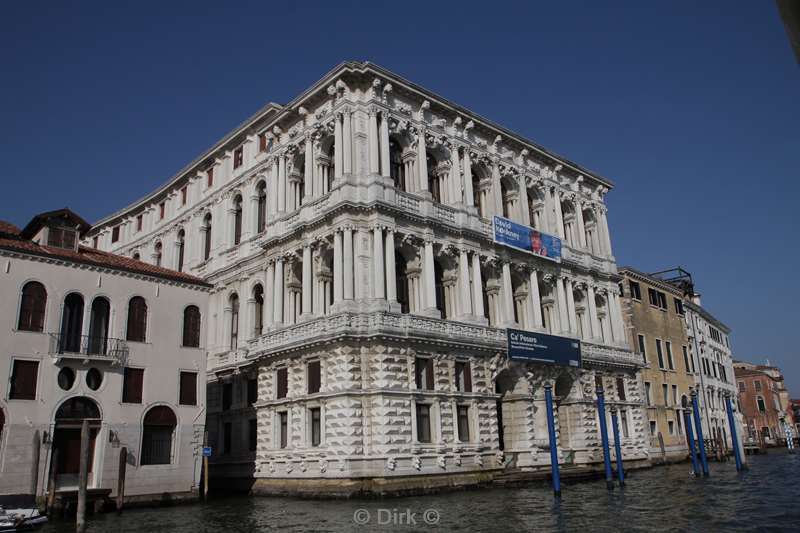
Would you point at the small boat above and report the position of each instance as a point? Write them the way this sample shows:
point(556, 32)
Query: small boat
point(20, 520)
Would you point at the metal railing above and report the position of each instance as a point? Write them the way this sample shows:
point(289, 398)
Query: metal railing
point(65, 344)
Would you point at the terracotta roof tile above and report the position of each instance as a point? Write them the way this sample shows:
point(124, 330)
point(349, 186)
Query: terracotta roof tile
point(91, 256)
point(8, 228)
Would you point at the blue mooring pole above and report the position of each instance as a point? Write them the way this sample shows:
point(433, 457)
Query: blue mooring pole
point(551, 430)
point(601, 411)
point(687, 421)
point(698, 424)
point(617, 447)
point(734, 438)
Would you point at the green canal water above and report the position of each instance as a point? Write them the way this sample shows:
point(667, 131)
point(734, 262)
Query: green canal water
point(764, 498)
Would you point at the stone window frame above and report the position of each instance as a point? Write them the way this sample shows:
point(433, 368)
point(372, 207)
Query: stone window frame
point(472, 422)
point(307, 437)
point(434, 415)
point(276, 428)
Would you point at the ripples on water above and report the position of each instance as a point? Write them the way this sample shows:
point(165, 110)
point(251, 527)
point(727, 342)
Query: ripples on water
point(765, 498)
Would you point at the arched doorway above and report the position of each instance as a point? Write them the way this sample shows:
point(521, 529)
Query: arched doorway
point(67, 440)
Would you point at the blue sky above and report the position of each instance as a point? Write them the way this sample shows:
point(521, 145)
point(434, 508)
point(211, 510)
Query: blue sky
point(690, 108)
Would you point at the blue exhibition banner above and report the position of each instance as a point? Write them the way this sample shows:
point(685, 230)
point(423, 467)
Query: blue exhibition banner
point(540, 348)
point(207, 451)
point(526, 239)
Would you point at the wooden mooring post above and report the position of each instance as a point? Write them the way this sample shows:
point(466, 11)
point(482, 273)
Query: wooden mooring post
point(83, 475)
point(51, 482)
point(123, 463)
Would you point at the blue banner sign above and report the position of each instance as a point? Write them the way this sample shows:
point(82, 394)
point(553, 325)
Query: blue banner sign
point(526, 239)
point(540, 348)
point(207, 451)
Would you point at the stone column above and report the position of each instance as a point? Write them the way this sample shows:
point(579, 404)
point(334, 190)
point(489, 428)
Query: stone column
point(497, 190)
point(559, 215)
point(429, 282)
point(477, 286)
point(454, 180)
point(563, 320)
point(337, 146)
point(269, 292)
point(536, 299)
point(272, 189)
point(278, 292)
point(548, 224)
point(349, 266)
point(307, 311)
point(603, 219)
point(525, 211)
point(378, 267)
point(508, 296)
point(593, 319)
point(282, 183)
point(391, 276)
point(308, 170)
point(616, 317)
point(422, 163)
point(384, 138)
point(347, 146)
point(579, 220)
point(372, 141)
point(251, 227)
point(469, 194)
point(338, 266)
point(573, 326)
point(464, 294)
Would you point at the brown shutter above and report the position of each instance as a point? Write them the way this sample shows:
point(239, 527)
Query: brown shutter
point(188, 388)
point(283, 382)
point(133, 379)
point(467, 377)
point(313, 377)
point(31, 314)
point(23, 380)
point(429, 374)
point(137, 319)
point(191, 327)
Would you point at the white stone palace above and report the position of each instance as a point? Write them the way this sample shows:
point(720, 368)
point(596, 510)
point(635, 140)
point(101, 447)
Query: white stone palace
point(356, 339)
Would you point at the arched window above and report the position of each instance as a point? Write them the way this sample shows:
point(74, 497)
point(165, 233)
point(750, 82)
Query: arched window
point(401, 273)
point(157, 254)
point(396, 170)
point(438, 274)
point(71, 324)
point(181, 248)
point(207, 231)
point(98, 326)
point(191, 326)
point(31, 311)
point(237, 220)
point(261, 219)
point(433, 178)
point(258, 318)
point(234, 321)
point(136, 256)
point(137, 319)
point(157, 432)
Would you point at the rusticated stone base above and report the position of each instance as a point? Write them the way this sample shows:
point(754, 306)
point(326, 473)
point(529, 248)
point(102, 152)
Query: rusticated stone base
point(376, 486)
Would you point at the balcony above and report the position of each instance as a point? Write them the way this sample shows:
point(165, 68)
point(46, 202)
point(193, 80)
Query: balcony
point(88, 348)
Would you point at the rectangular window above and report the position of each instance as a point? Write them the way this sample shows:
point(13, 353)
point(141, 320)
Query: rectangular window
point(227, 396)
point(671, 426)
point(252, 435)
point(139, 220)
point(162, 210)
point(423, 372)
point(314, 373)
point(678, 306)
point(647, 397)
point(315, 418)
point(621, 389)
point(188, 388)
point(686, 359)
point(758, 386)
point(95, 242)
point(642, 348)
point(662, 300)
point(183, 195)
point(674, 395)
point(636, 290)
point(670, 361)
point(227, 434)
point(680, 423)
point(653, 428)
point(423, 422)
point(463, 377)
point(210, 177)
point(623, 416)
point(665, 391)
point(463, 423)
point(283, 425)
point(238, 157)
point(742, 386)
point(761, 405)
point(115, 234)
point(282, 382)
point(61, 238)
point(132, 385)
point(653, 296)
point(23, 380)
point(660, 354)
point(252, 391)
point(262, 142)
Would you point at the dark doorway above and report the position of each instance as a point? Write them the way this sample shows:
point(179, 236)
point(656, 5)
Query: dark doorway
point(67, 439)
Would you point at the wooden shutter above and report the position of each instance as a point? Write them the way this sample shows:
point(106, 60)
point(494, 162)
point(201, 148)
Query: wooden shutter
point(31, 313)
point(188, 388)
point(133, 380)
point(137, 319)
point(23, 380)
point(211, 176)
point(262, 142)
point(621, 389)
point(191, 327)
point(429, 374)
point(467, 377)
point(313, 377)
point(283, 382)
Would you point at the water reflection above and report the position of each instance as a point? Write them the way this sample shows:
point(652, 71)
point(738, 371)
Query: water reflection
point(663, 499)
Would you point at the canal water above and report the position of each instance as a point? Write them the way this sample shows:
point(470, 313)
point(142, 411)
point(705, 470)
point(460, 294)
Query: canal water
point(764, 498)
